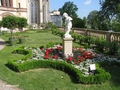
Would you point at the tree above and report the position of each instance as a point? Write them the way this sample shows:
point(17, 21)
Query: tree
point(93, 19)
point(10, 22)
point(22, 22)
point(85, 21)
point(79, 23)
point(70, 8)
point(109, 8)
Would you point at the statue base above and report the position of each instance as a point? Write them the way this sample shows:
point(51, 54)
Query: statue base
point(67, 36)
point(67, 46)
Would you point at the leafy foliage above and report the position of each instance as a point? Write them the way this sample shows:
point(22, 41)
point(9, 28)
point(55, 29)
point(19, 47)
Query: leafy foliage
point(100, 77)
point(78, 22)
point(9, 22)
point(22, 22)
point(113, 47)
point(109, 8)
point(70, 8)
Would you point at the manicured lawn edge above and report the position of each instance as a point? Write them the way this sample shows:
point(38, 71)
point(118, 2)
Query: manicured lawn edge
point(101, 75)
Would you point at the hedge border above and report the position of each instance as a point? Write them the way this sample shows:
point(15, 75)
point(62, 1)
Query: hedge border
point(101, 75)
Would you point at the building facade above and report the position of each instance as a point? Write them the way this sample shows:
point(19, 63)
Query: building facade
point(35, 11)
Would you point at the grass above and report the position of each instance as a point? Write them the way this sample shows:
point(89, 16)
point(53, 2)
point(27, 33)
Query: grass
point(48, 79)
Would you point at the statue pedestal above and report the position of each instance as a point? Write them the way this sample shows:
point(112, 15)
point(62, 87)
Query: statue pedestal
point(67, 46)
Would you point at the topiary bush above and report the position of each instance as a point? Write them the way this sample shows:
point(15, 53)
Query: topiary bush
point(100, 77)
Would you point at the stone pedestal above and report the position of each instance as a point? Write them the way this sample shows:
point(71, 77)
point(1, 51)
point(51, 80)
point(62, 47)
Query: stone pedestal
point(67, 46)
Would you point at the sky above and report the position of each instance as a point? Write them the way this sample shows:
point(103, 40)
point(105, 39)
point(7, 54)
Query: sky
point(84, 6)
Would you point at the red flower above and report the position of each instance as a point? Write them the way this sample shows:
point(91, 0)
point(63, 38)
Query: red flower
point(80, 49)
point(70, 58)
point(46, 53)
point(59, 48)
point(46, 57)
point(43, 49)
point(55, 56)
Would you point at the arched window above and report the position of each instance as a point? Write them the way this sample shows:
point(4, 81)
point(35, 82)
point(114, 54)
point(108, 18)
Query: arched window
point(33, 11)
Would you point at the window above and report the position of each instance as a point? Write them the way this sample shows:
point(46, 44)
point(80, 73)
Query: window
point(6, 3)
point(19, 5)
point(33, 11)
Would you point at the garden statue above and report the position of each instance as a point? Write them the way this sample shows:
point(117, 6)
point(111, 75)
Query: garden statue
point(68, 24)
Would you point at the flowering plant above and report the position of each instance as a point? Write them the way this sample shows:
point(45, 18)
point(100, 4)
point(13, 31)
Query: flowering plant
point(79, 54)
point(53, 53)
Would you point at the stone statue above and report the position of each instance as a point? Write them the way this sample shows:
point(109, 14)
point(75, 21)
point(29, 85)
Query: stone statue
point(68, 24)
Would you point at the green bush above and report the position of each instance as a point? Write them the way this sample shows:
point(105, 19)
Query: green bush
point(81, 39)
point(75, 37)
point(21, 50)
point(100, 77)
point(90, 40)
point(50, 44)
point(113, 47)
point(100, 44)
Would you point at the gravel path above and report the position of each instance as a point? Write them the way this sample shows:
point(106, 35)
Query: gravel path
point(4, 85)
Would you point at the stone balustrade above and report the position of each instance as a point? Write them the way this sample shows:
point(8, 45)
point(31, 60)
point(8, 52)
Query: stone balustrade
point(109, 36)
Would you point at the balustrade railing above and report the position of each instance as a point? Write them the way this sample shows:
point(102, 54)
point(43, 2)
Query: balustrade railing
point(109, 36)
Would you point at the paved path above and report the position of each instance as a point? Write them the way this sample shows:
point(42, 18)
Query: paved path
point(4, 85)
point(2, 44)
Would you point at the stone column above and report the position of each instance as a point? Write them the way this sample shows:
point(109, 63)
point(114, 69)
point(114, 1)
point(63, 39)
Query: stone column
point(67, 46)
point(47, 11)
point(41, 11)
point(28, 11)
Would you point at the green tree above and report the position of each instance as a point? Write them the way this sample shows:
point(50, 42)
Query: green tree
point(70, 8)
point(85, 21)
point(93, 19)
point(22, 22)
point(109, 8)
point(79, 23)
point(10, 22)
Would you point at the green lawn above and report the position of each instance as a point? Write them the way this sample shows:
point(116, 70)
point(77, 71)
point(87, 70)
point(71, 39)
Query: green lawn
point(48, 79)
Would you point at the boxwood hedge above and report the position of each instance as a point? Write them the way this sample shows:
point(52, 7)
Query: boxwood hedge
point(100, 77)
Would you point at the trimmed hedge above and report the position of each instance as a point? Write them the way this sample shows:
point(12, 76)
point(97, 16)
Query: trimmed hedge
point(100, 77)
point(26, 64)
point(21, 50)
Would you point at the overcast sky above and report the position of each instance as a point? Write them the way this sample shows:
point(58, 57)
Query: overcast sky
point(84, 6)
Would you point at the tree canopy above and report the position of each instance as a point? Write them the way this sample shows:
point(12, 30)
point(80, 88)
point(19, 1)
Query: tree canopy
point(70, 8)
point(109, 8)
point(9, 22)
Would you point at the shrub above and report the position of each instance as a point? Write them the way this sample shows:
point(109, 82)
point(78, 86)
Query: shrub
point(113, 47)
point(50, 44)
point(81, 39)
point(26, 63)
point(21, 50)
point(90, 40)
point(100, 77)
point(100, 43)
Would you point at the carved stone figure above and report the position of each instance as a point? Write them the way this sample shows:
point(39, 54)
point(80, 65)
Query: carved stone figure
point(68, 24)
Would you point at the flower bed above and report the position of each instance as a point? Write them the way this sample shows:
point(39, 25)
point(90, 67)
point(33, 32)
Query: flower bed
point(77, 65)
